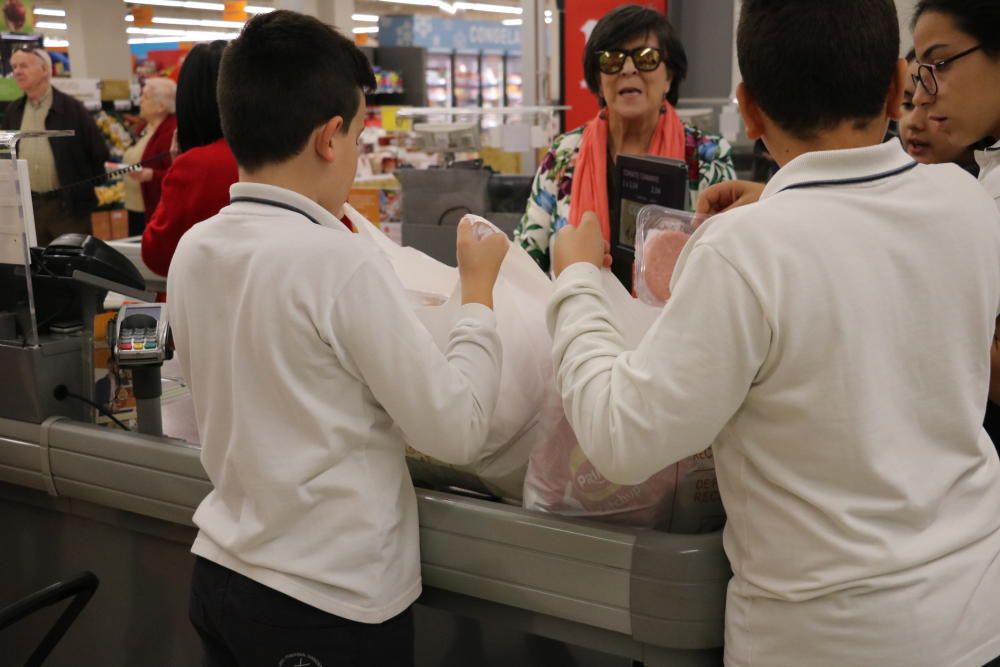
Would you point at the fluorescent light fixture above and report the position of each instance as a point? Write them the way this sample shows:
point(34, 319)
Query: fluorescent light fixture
point(182, 4)
point(201, 23)
point(548, 19)
point(548, 13)
point(485, 7)
point(50, 26)
point(154, 40)
point(440, 4)
point(512, 21)
point(371, 18)
point(189, 4)
point(54, 42)
point(183, 35)
point(370, 30)
point(41, 11)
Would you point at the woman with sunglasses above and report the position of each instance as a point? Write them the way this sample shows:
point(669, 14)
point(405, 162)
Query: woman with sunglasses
point(634, 63)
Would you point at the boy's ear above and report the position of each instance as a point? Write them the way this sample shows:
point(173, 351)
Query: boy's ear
point(753, 117)
point(894, 100)
point(324, 137)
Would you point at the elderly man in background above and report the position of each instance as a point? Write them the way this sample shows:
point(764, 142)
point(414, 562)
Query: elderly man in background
point(61, 194)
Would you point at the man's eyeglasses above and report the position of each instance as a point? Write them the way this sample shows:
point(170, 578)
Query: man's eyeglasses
point(645, 58)
point(926, 76)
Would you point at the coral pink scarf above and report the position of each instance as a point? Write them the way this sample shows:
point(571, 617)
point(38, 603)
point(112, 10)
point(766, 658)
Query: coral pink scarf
point(590, 179)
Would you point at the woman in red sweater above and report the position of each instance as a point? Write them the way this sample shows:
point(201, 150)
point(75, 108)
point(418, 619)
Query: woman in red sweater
point(197, 184)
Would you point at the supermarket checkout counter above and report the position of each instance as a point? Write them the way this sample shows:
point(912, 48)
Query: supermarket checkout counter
point(76, 495)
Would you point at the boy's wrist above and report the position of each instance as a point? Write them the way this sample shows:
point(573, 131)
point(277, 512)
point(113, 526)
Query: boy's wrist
point(477, 294)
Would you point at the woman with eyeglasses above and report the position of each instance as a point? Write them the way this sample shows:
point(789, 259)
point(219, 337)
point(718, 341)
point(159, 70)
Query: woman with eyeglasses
point(957, 43)
point(958, 80)
point(634, 62)
point(921, 137)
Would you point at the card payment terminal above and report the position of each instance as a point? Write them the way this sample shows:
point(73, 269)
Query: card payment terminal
point(140, 334)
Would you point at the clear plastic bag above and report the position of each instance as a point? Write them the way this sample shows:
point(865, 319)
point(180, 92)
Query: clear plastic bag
point(661, 234)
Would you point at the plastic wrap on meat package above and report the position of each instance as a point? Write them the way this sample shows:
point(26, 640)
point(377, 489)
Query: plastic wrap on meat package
point(661, 234)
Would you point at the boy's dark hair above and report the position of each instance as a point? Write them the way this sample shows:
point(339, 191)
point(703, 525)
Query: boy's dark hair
point(198, 121)
point(813, 64)
point(980, 19)
point(623, 24)
point(284, 76)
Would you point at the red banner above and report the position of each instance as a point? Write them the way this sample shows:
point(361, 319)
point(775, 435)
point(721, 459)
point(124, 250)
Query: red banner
point(579, 19)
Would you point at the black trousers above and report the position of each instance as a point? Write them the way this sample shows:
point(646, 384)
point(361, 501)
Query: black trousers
point(243, 623)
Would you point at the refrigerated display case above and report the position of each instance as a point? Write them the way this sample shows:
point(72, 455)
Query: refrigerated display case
point(492, 92)
point(513, 81)
point(467, 80)
point(439, 90)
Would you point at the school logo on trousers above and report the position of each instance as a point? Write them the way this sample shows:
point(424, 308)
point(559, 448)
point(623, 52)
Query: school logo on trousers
point(299, 660)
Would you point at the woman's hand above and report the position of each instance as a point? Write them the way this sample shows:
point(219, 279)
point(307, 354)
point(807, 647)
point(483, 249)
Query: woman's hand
point(730, 194)
point(143, 175)
point(479, 261)
point(580, 244)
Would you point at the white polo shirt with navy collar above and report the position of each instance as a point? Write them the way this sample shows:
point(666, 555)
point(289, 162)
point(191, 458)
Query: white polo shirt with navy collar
point(309, 373)
point(989, 170)
point(831, 342)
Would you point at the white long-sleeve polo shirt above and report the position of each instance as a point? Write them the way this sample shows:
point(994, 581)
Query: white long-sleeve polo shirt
point(309, 371)
point(989, 170)
point(831, 342)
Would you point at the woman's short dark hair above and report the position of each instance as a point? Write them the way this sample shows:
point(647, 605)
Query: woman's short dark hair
point(623, 24)
point(980, 19)
point(284, 76)
point(198, 121)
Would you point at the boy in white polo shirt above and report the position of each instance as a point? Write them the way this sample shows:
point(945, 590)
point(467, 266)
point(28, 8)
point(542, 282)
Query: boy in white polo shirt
point(831, 342)
point(309, 372)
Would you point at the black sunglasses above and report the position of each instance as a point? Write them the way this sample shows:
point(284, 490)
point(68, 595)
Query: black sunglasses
point(645, 59)
point(926, 75)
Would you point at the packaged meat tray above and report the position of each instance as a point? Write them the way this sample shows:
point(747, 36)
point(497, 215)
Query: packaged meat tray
point(661, 234)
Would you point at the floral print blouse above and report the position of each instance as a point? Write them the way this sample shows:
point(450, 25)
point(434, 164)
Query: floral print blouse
point(709, 159)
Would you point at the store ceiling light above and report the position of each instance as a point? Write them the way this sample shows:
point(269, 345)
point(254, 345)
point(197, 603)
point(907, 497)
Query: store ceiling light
point(369, 30)
point(201, 23)
point(440, 4)
point(548, 13)
point(49, 42)
point(183, 35)
point(182, 4)
point(42, 11)
point(188, 4)
point(364, 18)
point(512, 21)
point(484, 7)
point(154, 40)
point(48, 25)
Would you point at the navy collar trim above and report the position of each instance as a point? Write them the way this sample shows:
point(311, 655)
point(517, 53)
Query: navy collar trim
point(276, 204)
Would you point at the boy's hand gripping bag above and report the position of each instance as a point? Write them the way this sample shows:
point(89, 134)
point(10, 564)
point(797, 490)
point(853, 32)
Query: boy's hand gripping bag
point(525, 414)
point(530, 441)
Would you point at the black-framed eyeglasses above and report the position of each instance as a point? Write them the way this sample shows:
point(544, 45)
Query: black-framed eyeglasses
point(645, 59)
point(926, 76)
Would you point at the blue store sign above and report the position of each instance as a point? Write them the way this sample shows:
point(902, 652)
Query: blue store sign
point(448, 34)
